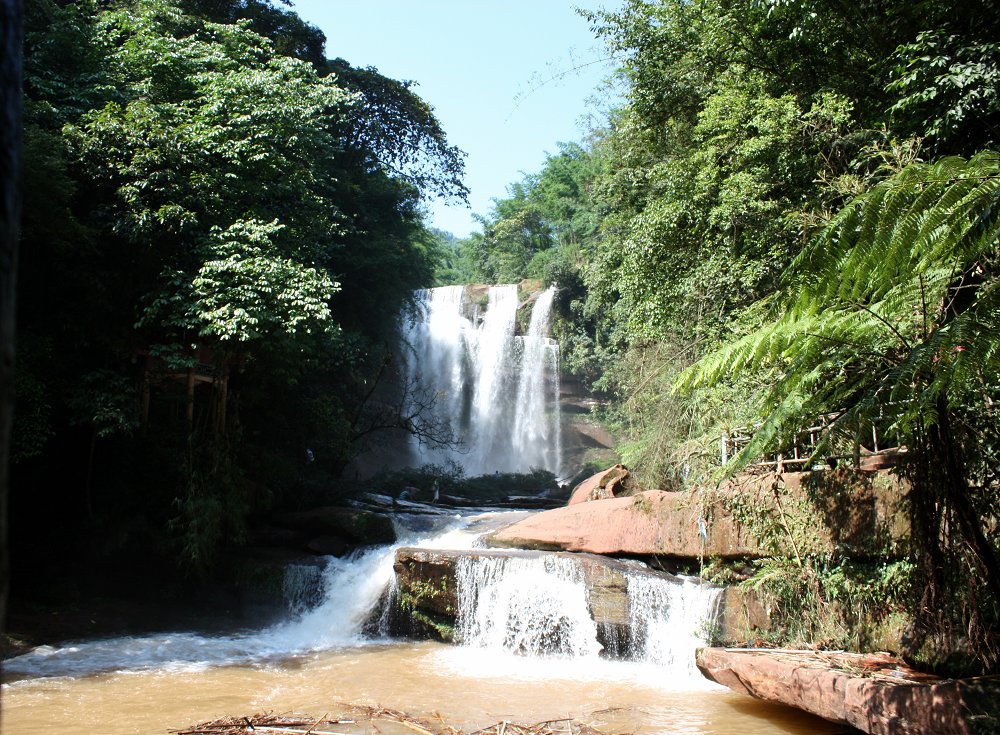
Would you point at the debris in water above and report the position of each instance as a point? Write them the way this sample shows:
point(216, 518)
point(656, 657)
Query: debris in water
point(363, 716)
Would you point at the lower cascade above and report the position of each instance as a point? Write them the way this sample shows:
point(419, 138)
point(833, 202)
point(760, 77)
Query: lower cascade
point(540, 606)
point(537, 605)
point(669, 620)
point(534, 606)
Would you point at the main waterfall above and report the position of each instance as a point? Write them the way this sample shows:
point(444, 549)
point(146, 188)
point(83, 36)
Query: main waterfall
point(498, 390)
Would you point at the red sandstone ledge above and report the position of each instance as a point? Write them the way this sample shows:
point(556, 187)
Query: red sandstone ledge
point(875, 693)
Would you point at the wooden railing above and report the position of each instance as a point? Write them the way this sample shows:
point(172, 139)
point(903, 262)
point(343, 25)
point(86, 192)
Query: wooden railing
point(802, 449)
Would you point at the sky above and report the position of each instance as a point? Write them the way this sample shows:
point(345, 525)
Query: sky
point(508, 80)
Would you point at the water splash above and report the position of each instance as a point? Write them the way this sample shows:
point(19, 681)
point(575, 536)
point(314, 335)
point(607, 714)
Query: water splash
point(302, 587)
point(539, 606)
point(349, 587)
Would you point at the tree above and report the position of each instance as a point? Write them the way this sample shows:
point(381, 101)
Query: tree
point(890, 317)
point(200, 190)
point(10, 213)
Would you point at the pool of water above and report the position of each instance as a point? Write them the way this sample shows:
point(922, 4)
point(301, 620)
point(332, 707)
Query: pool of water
point(467, 688)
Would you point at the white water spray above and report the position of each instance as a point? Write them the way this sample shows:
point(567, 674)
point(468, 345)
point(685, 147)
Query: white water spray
point(537, 435)
point(349, 589)
point(532, 607)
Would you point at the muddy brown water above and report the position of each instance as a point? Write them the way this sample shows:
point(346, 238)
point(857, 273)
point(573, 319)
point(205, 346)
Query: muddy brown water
point(466, 688)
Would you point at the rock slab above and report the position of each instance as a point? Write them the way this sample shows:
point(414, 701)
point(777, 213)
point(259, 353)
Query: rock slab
point(860, 517)
point(874, 693)
point(646, 524)
point(603, 485)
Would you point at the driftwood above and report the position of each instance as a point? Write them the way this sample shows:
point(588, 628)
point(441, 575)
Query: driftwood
point(548, 727)
point(264, 723)
point(297, 724)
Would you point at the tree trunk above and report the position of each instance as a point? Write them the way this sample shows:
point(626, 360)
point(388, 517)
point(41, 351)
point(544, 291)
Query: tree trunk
point(10, 215)
point(956, 489)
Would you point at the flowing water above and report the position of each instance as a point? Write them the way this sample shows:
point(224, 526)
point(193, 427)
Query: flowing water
point(529, 654)
point(497, 389)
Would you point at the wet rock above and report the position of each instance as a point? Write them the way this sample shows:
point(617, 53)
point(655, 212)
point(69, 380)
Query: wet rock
point(529, 501)
point(354, 525)
point(263, 534)
point(426, 579)
point(377, 499)
point(875, 693)
point(328, 546)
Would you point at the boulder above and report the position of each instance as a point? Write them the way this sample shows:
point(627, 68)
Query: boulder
point(860, 516)
point(647, 524)
point(328, 546)
point(874, 693)
point(264, 534)
point(603, 485)
point(354, 525)
point(743, 617)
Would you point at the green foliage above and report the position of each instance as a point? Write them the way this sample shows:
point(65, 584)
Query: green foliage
point(202, 184)
point(947, 83)
point(890, 319)
point(873, 316)
point(454, 267)
point(834, 603)
point(397, 131)
point(248, 291)
point(105, 401)
point(210, 512)
point(547, 217)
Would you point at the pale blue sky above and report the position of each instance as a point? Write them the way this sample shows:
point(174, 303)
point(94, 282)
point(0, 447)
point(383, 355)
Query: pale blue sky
point(487, 68)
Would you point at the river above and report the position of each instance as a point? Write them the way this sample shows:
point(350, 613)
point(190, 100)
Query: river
point(319, 659)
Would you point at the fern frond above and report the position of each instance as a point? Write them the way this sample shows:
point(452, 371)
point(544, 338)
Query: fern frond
point(868, 318)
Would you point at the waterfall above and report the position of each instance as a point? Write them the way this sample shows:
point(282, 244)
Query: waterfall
point(539, 606)
point(669, 620)
point(302, 587)
point(496, 389)
point(532, 606)
point(494, 368)
point(537, 436)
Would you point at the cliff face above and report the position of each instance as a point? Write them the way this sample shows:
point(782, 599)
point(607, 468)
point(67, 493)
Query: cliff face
point(585, 440)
